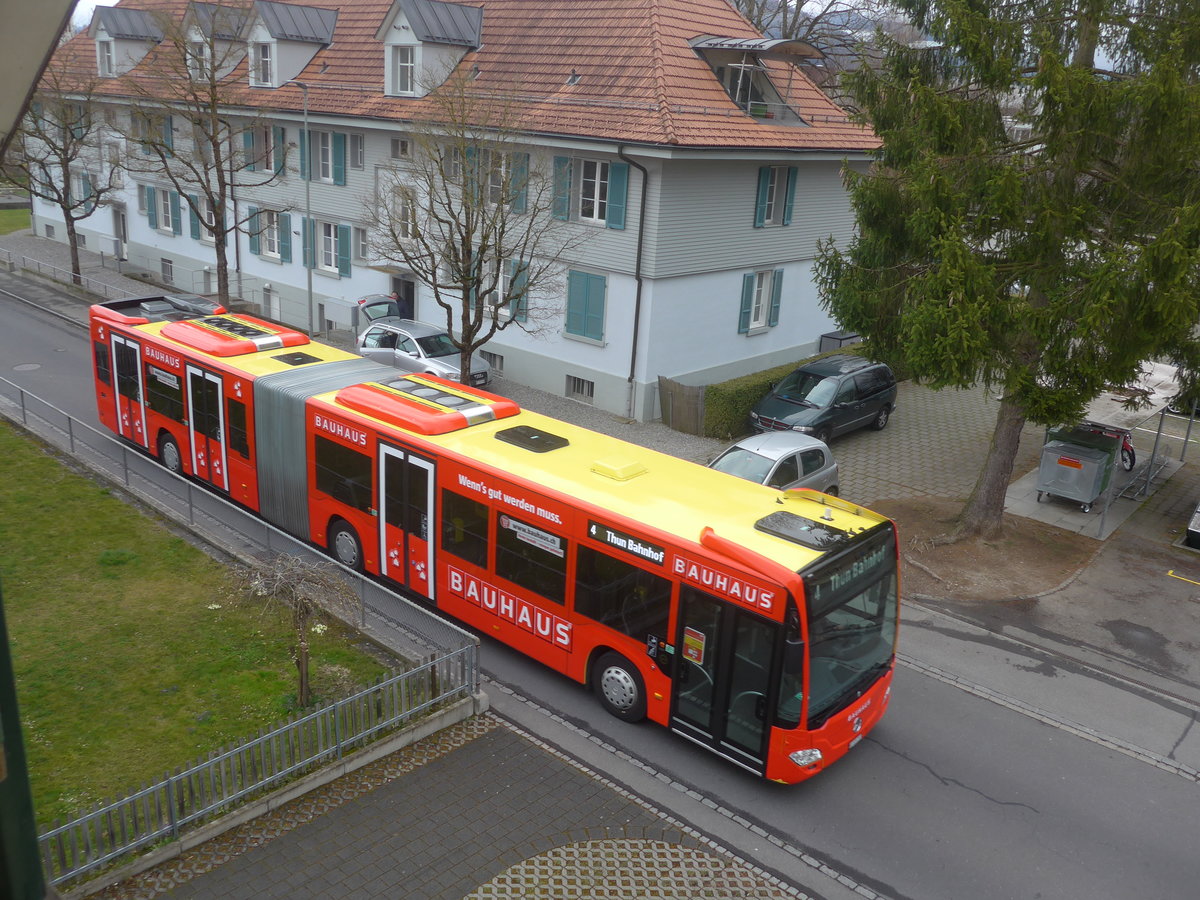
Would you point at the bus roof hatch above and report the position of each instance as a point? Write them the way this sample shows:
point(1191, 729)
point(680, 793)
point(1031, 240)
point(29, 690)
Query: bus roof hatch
point(425, 405)
point(232, 335)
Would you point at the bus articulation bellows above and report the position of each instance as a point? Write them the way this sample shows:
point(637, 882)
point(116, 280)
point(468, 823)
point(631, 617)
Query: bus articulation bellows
point(758, 624)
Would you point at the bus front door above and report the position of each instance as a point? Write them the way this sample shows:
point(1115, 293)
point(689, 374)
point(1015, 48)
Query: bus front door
point(206, 427)
point(723, 684)
point(406, 514)
point(131, 415)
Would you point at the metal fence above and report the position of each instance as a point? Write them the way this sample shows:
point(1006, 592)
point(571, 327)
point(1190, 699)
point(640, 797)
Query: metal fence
point(160, 812)
point(65, 276)
point(157, 813)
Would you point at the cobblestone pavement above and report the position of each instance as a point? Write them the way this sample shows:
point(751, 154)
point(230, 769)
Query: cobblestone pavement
point(480, 811)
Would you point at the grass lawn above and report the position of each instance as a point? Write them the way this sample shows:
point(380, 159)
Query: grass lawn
point(128, 661)
point(13, 220)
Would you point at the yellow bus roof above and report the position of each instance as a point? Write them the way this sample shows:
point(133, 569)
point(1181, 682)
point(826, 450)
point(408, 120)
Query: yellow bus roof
point(253, 364)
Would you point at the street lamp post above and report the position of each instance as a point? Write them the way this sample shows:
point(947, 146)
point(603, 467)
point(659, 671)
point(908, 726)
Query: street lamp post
point(306, 225)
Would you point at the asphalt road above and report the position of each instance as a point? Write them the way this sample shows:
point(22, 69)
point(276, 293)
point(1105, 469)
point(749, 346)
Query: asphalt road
point(953, 796)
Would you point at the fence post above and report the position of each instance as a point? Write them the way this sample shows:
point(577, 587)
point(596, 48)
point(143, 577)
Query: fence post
point(71, 433)
point(125, 464)
point(171, 808)
point(21, 394)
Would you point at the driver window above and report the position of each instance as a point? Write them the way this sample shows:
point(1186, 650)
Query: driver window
point(785, 473)
point(846, 393)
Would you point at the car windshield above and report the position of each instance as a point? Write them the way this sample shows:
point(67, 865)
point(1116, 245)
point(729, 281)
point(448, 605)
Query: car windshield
point(438, 345)
point(743, 463)
point(805, 387)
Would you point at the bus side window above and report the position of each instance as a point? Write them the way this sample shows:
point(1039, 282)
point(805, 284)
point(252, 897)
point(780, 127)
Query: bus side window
point(533, 558)
point(620, 595)
point(465, 527)
point(235, 418)
point(164, 393)
point(344, 474)
point(103, 367)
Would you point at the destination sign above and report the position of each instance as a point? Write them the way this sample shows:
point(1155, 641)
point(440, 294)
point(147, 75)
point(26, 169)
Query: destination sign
point(627, 542)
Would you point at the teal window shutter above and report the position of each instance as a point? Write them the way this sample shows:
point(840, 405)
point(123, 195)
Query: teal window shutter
point(279, 136)
point(618, 190)
point(562, 187)
point(760, 205)
point(306, 234)
point(193, 219)
point(519, 173)
point(585, 305)
point(576, 299)
point(790, 199)
point(285, 238)
point(776, 294)
point(518, 275)
point(339, 158)
point(747, 304)
point(344, 248)
point(176, 219)
point(151, 207)
point(87, 194)
point(248, 144)
point(305, 137)
point(252, 231)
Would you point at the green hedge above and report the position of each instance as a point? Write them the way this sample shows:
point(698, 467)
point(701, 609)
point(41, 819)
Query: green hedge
point(727, 404)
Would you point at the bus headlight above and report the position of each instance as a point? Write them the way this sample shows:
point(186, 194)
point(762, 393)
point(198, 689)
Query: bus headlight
point(805, 758)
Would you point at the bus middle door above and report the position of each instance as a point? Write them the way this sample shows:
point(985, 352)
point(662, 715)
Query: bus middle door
point(127, 368)
point(723, 686)
point(206, 426)
point(406, 513)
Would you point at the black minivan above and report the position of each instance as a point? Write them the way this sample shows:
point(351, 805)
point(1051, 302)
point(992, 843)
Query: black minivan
point(829, 397)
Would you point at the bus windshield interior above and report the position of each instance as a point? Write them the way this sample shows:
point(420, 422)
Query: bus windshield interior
point(853, 606)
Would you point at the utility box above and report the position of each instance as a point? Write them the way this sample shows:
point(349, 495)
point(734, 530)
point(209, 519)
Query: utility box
point(1193, 531)
point(1074, 472)
point(833, 340)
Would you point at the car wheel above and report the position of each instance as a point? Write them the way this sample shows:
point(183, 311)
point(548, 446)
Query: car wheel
point(169, 455)
point(619, 686)
point(1128, 459)
point(823, 435)
point(833, 490)
point(881, 419)
point(345, 547)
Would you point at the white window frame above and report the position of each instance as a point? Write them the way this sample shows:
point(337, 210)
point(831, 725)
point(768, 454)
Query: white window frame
point(77, 185)
point(593, 190)
point(262, 69)
point(404, 71)
point(327, 247)
point(776, 201)
point(165, 223)
point(356, 155)
point(199, 60)
point(404, 211)
point(106, 59)
point(760, 309)
point(167, 269)
point(497, 165)
point(208, 216)
point(362, 248)
point(400, 148)
point(268, 236)
point(265, 137)
point(502, 268)
point(323, 156)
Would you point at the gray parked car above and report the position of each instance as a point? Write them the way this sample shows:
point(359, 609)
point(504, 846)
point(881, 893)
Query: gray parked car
point(781, 459)
point(417, 347)
point(829, 397)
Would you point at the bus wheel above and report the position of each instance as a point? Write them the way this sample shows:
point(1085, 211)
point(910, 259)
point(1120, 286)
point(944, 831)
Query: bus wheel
point(344, 546)
point(619, 686)
point(169, 455)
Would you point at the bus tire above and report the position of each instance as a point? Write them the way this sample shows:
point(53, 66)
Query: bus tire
point(619, 686)
point(344, 546)
point(169, 455)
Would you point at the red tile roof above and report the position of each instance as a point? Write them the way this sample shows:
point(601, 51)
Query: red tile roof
point(639, 81)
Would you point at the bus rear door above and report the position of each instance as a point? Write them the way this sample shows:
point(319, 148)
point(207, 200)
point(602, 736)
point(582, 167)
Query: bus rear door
point(723, 684)
point(206, 426)
point(127, 366)
point(406, 499)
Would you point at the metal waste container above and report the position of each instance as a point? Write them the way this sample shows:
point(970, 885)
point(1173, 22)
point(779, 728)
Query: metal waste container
point(1073, 472)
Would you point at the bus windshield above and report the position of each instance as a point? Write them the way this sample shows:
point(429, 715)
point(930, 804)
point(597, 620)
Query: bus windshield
point(853, 606)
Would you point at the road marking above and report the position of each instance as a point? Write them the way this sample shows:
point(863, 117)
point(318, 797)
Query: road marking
point(1171, 572)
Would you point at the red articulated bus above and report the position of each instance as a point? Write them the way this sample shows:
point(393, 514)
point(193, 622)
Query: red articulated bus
point(759, 624)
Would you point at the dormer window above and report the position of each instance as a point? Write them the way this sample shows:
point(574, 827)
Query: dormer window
point(404, 68)
point(106, 59)
point(199, 60)
point(262, 66)
point(740, 64)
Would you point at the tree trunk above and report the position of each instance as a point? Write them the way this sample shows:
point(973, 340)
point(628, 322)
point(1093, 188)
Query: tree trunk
point(73, 243)
point(222, 260)
point(303, 697)
point(984, 512)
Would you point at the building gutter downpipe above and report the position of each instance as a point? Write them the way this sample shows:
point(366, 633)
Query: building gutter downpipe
point(637, 275)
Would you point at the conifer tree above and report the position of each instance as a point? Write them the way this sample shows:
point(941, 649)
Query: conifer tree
point(1032, 219)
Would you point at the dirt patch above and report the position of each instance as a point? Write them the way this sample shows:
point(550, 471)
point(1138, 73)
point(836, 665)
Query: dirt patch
point(1027, 558)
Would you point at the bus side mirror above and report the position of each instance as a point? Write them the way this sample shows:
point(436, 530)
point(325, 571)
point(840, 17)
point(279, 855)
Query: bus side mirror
point(793, 657)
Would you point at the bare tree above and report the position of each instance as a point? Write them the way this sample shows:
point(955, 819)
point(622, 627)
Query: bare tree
point(61, 155)
point(308, 588)
point(470, 214)
point(178, 128)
